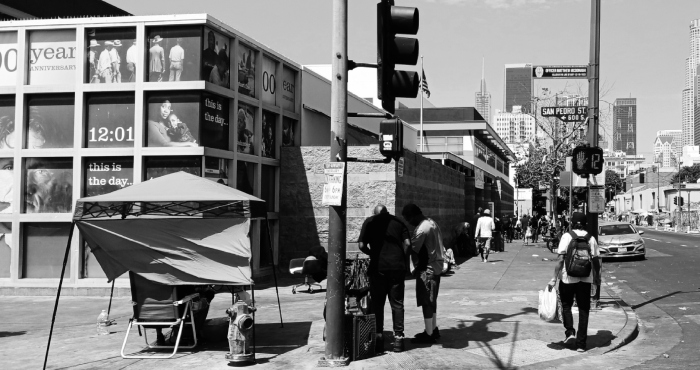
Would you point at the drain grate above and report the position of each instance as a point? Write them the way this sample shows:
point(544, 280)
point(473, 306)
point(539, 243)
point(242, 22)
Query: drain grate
point(522, 352)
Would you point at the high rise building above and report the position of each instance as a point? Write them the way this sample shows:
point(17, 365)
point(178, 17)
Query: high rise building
point(482, 99)
point(514, 127)
point(625, 125)
point(667, 147)
point(519, 86)
point(689, 101)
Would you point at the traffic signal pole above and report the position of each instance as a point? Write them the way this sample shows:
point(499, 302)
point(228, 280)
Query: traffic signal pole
point(593, 97)
point(335, 291)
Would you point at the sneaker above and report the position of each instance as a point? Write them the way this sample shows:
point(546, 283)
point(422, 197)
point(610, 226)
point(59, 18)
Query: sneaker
point(436, 333)
point(398, 344)
point(580, 350)
point(423, 338)
point(570, 340)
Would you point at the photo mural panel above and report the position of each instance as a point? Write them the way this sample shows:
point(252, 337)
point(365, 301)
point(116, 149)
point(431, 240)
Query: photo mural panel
point(107, 174)
point(216, 169)
point(288, 89)
point(48, 185)
point(110, 121)
point(173, 119)
point(269, 130)
point(174, 53)
point(216, 60)
point(160, 166)
point(7, 173)
point(52, 57)
point(245, 120)
point(7, 122)
point(246, 70)
point(5, 248)
point(8, 58)
point(49, 121)
point(269, 81)
point(245, 177)
point(44, 245)
point(288, 131)
point(215, 121)
point(111, 55)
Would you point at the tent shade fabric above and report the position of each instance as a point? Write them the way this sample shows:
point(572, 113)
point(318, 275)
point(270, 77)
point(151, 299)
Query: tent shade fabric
point(172, 251)
point(175, 195)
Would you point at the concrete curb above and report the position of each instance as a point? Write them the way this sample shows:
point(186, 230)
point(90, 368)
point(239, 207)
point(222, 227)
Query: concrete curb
point(628, 332)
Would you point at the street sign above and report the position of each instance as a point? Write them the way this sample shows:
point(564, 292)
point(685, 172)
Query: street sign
point(333, 188)
point(399, 169)
point(566, 114)
point(596, 199)
point(587, 160)
point(560, 71)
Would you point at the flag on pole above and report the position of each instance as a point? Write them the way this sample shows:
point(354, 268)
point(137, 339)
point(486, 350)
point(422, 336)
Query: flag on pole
point(424, 84)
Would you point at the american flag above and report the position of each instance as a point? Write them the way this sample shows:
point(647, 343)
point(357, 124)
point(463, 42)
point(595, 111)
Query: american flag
point(424, 84)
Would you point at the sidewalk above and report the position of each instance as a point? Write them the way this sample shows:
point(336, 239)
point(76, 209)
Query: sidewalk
point(487, 315)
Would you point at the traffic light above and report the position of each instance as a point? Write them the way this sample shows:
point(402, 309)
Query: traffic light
point(682, 201)
point(587, 160)
point(393, 50)
point(675, 201)
point(391, 138)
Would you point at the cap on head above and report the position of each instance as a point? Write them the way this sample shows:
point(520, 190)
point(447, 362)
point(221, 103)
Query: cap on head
point(410, 210)
point(487, 211)
point(578, 217)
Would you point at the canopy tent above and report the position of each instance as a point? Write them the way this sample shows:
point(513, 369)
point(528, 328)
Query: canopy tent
point(178, 229)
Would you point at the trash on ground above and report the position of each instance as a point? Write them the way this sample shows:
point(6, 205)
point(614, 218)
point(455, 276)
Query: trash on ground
point(666, 356)
point(535, 255)
point(683, 308)
point(545, 259)
point(644, 291)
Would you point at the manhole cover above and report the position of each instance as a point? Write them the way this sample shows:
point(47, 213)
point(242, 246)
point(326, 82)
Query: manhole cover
point(523, 352)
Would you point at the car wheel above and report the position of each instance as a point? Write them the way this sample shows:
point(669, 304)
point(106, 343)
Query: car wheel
point(642, 257)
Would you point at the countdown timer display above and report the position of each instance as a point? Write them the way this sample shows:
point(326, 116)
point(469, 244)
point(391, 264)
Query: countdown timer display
point(110, 122)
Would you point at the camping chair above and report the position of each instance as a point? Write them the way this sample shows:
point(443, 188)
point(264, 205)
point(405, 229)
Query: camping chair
point(159, 306)
point(306, 266)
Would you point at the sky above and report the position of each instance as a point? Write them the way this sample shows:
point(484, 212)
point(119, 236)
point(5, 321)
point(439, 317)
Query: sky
point(644, 43)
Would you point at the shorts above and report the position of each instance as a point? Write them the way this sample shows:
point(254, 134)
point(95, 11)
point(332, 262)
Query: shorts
point(427, 287)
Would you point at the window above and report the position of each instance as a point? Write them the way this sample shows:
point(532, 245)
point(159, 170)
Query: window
point(159, 166)
point(48, 185)
point(107, 174)
point(51, 57)
point(216, 169)
point(246, 70)
point(269, 82)
point(173, 119)
point(288, 132)
point(245, 177)
point(480, 150)
point(268, 187)
point(269, 133)
point(630, 145)
point(112, 55)
point(174, 53)
point(44, 247)
point(110, 121)
point(619, 124)
point(630, 127)
point(5, 248)
point(7, 121)
point(216, 61)
point(6, 183)
point(246, 128)
point(49, 121)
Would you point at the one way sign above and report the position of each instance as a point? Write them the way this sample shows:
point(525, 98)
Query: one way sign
point(566, 114)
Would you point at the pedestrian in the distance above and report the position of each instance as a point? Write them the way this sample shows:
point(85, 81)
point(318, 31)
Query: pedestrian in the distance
point(484, 234)
point(429, 254)
point(479, 211)
point(386, 240)
point(579, 252)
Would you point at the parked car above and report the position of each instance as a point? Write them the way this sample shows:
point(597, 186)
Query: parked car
point(620, 239)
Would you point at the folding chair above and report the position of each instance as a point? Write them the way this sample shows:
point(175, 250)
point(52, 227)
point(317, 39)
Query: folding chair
point(159, 306)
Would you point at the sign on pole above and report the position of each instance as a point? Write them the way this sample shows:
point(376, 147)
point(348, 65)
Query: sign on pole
point(333, 188)
point(596, 199)
point(560, 71)
point(566, 114)
point(399, 169)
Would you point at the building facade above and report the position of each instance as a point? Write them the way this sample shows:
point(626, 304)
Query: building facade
point(667, 147)
point(482, 99)
point(689, 89)
point(622, 163)
point(515, 128)
point(518, 87)
point(625, 125)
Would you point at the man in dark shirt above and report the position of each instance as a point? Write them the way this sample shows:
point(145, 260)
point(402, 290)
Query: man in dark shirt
point(386, 240)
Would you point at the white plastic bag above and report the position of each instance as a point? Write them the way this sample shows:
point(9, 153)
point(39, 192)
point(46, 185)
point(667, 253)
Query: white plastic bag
point(547, 308)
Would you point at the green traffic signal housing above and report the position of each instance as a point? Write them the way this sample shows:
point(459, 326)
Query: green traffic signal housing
point(393, 50)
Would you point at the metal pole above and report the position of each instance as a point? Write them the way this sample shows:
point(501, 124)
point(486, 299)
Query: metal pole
point(422, 72)
point(593, 97)
point(678, 200)
point(335, 292)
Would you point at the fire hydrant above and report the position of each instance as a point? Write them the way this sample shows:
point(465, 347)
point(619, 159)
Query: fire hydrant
point(240, 332)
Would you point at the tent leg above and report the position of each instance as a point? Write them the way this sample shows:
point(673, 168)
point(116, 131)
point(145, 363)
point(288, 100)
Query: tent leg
point(274, 273)
point(252, 291)
point(58, 293)
point(111, 294)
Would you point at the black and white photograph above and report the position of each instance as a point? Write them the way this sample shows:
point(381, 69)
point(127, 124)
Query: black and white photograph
point(269, 131)
point(215, 126)
point(245, 121)
point(173, 119)
point(111, 55)
point(107, 174)
point(174, 53)
point(7, 175)
point(216, 61)
point(110, 121)
point(7, 122)
point(288, 130)
point(159, 166)
point(49, 121)
point(48, 185)
point(8, 58)
point(53, 58)
point(5, 249)
point(246, 70)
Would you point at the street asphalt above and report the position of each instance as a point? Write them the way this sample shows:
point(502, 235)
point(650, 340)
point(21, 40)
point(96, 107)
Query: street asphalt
point(487, 315)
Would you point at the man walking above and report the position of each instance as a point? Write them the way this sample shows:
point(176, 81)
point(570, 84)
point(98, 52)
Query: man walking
point(573, 246)
point(386, 240)
point(427, 245)
point(484, 234)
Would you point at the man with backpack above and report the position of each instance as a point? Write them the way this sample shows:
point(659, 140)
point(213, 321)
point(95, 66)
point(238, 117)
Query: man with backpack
point(577, 268)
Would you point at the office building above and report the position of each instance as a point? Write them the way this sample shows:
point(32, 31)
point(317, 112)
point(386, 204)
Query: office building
point(625, 125)
point(516, 127)
point(482, 99)
point(689, 100)
point(667, 147)
point(518, 88)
